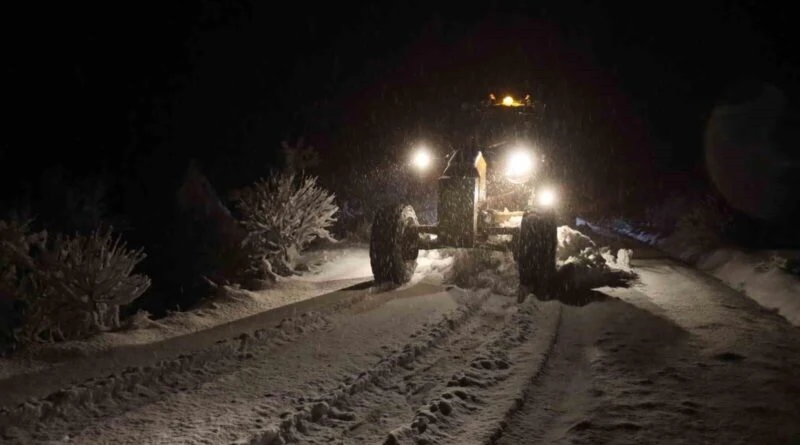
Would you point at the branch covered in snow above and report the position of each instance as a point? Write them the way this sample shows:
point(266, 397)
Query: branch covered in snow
point(71, 287)
point(282, 214)
point(95, 269)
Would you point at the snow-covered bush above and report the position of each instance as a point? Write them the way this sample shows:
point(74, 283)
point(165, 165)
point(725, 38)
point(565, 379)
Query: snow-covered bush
point(69, 287)
point(282, 214)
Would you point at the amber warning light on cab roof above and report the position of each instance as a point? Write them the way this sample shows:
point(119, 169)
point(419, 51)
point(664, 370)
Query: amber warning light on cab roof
point(510, 101)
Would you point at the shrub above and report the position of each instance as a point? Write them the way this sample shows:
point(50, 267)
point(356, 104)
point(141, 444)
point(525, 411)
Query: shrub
point(71, 287)
point(282, 214)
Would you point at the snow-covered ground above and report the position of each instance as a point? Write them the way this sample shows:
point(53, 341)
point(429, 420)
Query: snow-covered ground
point(757, 274)
point(331, 269)
point(346, 263)
point(450, 358)
point(230, 305)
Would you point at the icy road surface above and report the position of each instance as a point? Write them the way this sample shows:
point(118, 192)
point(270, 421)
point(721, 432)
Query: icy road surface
point(678, 358)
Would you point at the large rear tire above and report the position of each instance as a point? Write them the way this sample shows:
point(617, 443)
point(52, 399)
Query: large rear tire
point(393, 245)
point(536, 257)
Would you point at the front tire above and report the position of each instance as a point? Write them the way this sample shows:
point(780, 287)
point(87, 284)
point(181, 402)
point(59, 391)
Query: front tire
point(536, 257)
point(393, 245)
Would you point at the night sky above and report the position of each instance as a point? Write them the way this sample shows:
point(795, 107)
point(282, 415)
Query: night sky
point(140, 88)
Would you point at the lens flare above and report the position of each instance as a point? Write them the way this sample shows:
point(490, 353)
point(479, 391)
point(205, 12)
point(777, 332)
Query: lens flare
point(520, 164)
point(547, 197)
point(421, 159)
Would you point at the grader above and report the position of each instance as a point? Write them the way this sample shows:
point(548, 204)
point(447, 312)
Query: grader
point(491, 195)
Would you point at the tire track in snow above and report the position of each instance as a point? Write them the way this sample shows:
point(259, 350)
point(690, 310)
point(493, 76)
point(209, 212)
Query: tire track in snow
point(76, 406)
point(302, 423)
point(230, 405)
point(480, 399)
point(393, 401)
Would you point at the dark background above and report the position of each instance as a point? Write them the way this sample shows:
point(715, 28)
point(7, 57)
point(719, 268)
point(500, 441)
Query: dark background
point(136, 89)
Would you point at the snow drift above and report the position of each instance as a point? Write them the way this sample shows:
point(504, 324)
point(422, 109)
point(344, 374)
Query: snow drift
point(760, 275)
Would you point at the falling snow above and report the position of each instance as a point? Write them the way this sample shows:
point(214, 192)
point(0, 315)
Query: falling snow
point(449, 358)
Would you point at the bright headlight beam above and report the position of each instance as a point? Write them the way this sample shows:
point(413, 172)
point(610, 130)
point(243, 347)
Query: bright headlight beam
point(520, 163)
point(547, 197)
point(421, 159)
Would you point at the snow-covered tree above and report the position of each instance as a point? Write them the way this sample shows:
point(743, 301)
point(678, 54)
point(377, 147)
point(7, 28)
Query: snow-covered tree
point(70, 287)
point(282, 214)
point(96, 270)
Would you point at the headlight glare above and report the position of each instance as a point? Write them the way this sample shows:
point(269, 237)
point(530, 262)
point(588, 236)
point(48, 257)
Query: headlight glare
point(520, 164)
point(421, 159)
point(547, 197)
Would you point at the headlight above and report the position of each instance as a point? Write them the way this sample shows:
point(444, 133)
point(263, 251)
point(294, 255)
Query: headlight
point(520, 165)
point(421, 159)
point(546, 197)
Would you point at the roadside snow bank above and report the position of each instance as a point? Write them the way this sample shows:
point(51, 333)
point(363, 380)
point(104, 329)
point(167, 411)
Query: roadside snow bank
point(757, 275)
point(337, 270)
point(351, 262)
point(760, 275)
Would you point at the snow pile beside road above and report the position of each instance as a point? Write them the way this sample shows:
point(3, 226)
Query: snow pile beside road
point(761, 275)
point(582, 265)
point(576, 247)
point(572, 243)
point(350, 262)
point(232, 304)
point(229, 305)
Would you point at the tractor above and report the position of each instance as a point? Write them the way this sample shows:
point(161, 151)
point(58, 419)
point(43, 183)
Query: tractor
point(491, 195)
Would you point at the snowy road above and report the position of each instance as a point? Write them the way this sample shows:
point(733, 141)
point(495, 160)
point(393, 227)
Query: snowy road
point(679, 358)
